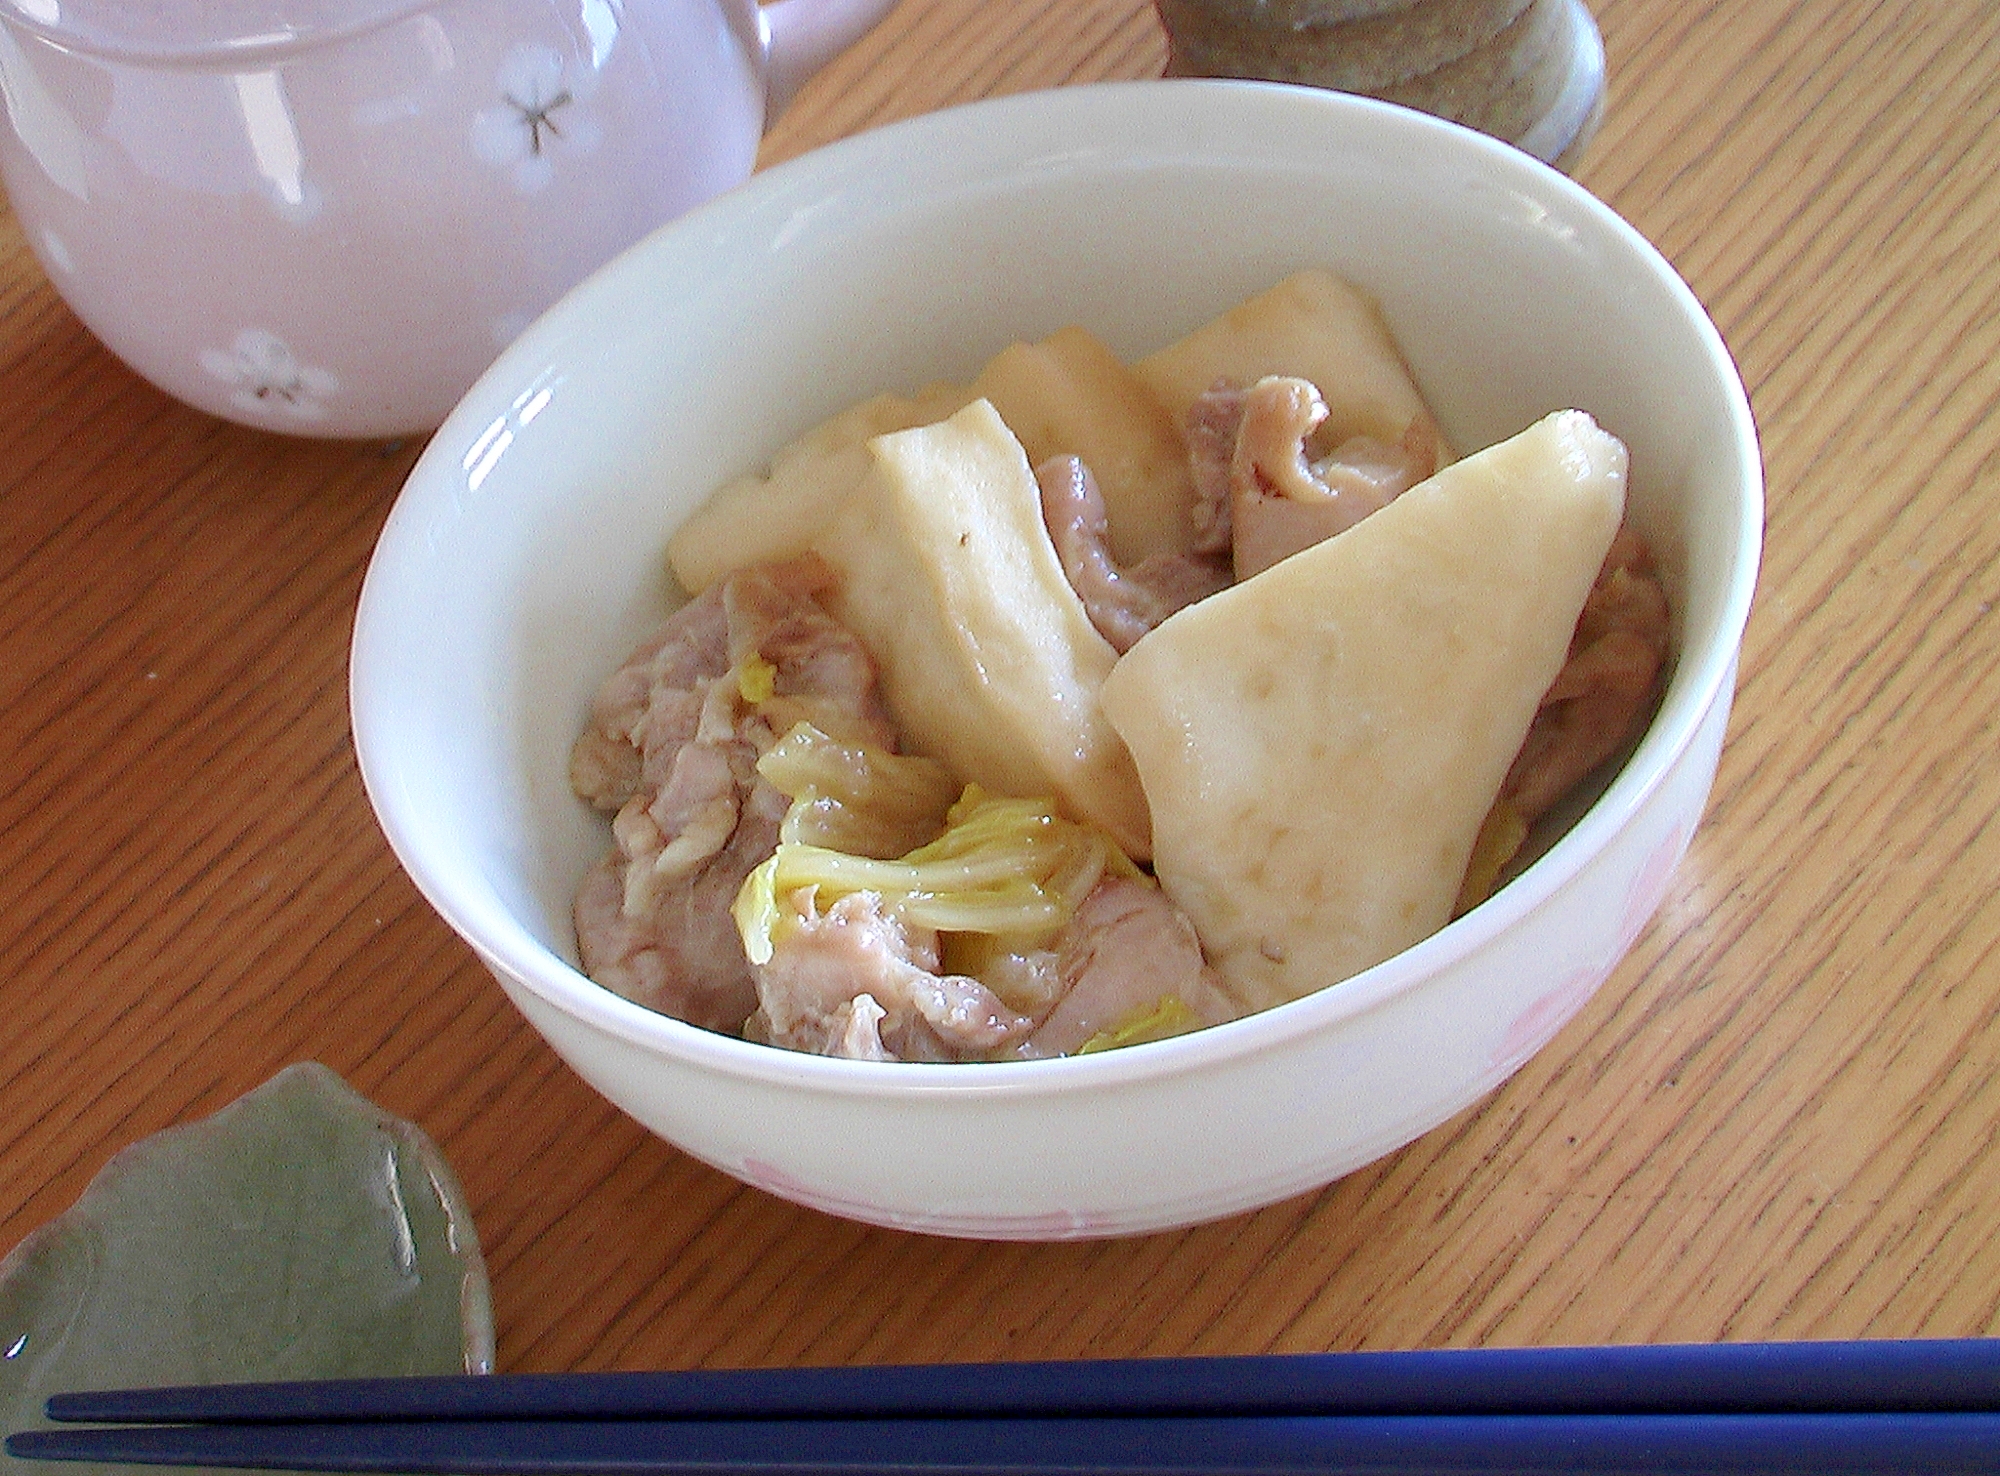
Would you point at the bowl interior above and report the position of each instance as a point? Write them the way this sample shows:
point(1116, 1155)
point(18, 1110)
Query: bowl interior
point(526, 554)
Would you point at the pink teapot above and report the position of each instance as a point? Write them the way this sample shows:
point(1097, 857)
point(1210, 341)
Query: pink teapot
point(326, 217)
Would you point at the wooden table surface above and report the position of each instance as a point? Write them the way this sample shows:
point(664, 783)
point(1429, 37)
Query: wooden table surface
point(1780, 1117)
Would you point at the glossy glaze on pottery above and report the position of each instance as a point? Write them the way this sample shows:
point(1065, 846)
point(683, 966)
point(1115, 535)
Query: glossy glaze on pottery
point(328, 219)
point(300, 1232)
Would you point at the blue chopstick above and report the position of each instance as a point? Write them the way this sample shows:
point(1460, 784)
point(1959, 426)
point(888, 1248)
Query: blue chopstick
point(1870, 1406)
point(1868, 1376)
point(1144, 1446)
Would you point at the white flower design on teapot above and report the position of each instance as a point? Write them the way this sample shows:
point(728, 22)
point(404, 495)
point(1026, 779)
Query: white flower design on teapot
point(267, 378)
point(542, 108)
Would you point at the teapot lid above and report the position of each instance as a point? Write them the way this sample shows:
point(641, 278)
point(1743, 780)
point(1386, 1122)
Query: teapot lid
point(205, 33)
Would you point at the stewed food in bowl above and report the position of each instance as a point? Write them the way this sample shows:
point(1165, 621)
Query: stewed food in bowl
point(967, 750)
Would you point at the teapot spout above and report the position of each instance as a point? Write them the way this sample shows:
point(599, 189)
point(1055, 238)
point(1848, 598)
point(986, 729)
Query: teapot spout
point(801, 36)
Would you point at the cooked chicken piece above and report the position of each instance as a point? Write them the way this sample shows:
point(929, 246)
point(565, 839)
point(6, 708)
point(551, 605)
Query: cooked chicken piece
point(855, 981)
point(823, 674)
point(672, 747)
point(689, 819)
point(1127, 949)
point(683, 956)
point(1282, 499)
point(649, 701)
point(1260, 491)
point(1606, 685)
point(1122, 604)
point(1210, 430)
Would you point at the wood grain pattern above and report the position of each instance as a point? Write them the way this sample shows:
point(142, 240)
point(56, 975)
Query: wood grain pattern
point(1780, 1118)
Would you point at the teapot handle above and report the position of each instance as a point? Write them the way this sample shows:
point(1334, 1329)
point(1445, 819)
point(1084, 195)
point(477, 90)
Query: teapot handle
point(801, 36)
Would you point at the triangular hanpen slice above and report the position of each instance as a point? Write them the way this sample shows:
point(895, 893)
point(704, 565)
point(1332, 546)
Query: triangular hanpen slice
point(776, 514)
point(1320, 743)
point(987, 658)
point(1313, 325)
point(1070, 395)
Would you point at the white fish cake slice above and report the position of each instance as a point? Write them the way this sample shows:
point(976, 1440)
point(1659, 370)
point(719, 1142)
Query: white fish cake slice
point(1320, 743)
point(988, 659)
point(1069, 395)
point(1313, 325)
point(776, 514)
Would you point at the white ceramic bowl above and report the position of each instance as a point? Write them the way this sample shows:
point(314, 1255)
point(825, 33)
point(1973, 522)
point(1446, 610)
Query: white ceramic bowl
point(526, 555)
